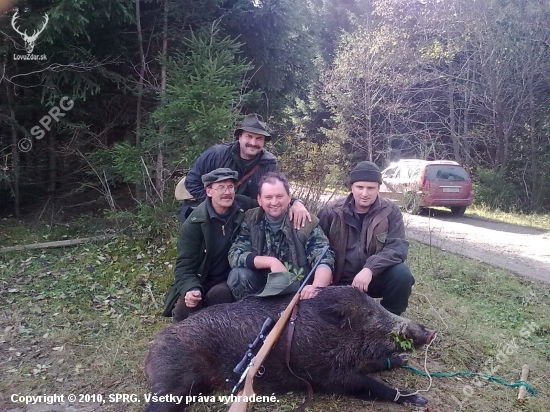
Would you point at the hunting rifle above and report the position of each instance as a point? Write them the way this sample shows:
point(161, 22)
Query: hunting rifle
point(244, 396)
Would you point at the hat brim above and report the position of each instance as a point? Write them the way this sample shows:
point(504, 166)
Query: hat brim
point(280, 283)
point(252, 130)
point(221, 179)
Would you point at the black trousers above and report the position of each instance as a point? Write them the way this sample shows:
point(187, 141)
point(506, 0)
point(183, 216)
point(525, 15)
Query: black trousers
point(219, 293)
point(394, 286)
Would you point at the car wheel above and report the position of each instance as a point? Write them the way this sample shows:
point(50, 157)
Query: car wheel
point(412, 205)
point(458, 210)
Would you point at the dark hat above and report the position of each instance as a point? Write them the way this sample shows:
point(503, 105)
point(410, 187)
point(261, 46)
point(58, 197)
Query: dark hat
point(253, 123)
point(223, 173)
point(365, 172)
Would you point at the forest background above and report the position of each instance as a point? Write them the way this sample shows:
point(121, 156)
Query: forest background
point(143, 87)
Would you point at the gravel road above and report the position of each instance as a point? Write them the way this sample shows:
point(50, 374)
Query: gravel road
point(519, 249)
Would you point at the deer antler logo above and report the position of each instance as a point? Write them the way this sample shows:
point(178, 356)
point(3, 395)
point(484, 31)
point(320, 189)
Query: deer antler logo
point(29, 40)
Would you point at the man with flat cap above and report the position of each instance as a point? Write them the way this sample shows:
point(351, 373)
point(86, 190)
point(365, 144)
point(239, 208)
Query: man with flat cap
point(247, 156)
point(367, 235)
point(202, 266)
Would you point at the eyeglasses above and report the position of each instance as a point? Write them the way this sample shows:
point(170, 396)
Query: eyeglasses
point(223, 189)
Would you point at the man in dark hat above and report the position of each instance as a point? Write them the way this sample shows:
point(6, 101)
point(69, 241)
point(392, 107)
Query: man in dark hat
point(367, 235)
point(202, 266)
point(247, 156)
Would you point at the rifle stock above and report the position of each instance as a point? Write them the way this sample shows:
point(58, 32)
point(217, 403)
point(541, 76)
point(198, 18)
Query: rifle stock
point(243, 397)
point(240, 405)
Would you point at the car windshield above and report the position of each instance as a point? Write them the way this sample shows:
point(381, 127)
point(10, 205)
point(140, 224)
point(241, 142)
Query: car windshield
point(446, 172)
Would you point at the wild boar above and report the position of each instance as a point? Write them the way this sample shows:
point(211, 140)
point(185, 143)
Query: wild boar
point(340, 336)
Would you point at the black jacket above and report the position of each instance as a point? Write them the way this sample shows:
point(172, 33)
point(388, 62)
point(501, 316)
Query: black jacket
point(227, 155)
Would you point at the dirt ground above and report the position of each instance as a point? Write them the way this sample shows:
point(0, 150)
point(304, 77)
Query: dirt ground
point(519, 249)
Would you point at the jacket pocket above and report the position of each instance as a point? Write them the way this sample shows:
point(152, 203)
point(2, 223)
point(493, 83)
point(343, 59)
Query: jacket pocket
point(381, 241)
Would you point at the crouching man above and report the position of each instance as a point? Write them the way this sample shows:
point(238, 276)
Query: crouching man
point(269, 256)
point(368, 238)
point(205, 237)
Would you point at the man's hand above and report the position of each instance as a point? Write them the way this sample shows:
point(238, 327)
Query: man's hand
point(277, 266)
point(323, 278)
point(309, 291)
point(298, 214)
point(362, 279)
point(192, 298)
point(268, 262)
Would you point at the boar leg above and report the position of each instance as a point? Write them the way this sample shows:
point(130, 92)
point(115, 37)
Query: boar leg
point(381, 364)
point(373, 389)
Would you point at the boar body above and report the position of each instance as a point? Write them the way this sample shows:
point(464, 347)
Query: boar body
point(340, 336)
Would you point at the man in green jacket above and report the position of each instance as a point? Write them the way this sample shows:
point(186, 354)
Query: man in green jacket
point(202, 266)
point(269, 256)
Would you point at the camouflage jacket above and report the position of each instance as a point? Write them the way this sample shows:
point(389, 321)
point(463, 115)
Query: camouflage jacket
point(298, 249)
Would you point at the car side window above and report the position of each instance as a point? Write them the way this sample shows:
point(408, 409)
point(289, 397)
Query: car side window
point(390, 173)
point(414, 171)
point(401, 172)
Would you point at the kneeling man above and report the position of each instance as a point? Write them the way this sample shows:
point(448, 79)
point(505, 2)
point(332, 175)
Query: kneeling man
point(269, 256)
point(368, 238)
point(202, 266)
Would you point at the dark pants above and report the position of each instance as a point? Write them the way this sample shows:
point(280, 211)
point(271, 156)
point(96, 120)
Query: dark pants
point(243, 282)
point(394, 287)
point(217, 294)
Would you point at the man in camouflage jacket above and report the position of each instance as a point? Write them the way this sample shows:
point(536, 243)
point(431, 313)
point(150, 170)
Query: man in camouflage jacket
point(269, 255)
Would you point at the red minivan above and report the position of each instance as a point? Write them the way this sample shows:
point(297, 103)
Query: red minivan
point(415, 184)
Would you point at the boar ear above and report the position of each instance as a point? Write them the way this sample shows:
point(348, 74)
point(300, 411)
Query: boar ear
point(338, 314)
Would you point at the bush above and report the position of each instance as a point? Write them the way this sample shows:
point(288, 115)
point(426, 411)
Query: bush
point(494, 190)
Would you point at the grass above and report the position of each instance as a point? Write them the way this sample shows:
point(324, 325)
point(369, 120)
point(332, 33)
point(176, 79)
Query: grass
point(80, 319)
point(533, 220)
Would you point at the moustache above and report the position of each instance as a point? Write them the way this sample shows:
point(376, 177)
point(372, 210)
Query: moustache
point(253, 146)
point(227, 197)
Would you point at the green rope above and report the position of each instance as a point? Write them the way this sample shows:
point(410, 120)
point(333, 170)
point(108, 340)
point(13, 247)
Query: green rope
point(492, 378)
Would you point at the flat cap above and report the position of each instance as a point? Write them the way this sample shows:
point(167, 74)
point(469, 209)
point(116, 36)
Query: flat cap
point(217, 175)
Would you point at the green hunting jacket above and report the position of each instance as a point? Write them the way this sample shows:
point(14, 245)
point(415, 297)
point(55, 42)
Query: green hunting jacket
point(194, 253)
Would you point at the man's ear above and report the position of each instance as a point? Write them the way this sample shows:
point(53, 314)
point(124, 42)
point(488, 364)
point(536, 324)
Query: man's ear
point(208, 191)
point(258, 198)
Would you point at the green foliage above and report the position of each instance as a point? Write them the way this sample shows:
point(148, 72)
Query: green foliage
point(120, 163)
point(404, 342)
point(150, 221)
point(298, 273)
point(203, 96)
point(494, 190)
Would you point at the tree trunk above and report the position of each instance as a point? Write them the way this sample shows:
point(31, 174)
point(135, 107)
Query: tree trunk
point(141, 74)
point(533, 139)
point(452, 114)
point(14, 150)
point(159, 164)
point(52, 140)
